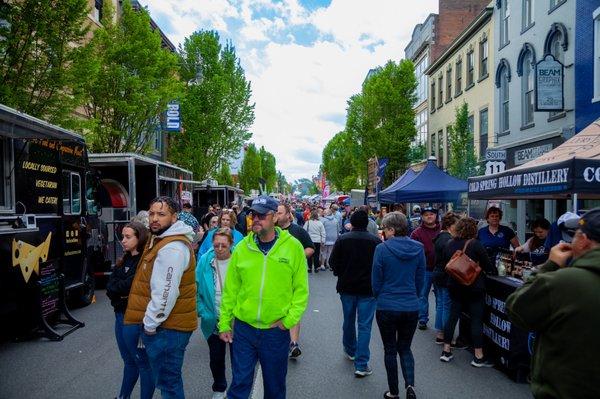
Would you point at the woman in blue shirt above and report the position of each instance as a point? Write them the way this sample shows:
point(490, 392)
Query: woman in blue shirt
point(495, 236)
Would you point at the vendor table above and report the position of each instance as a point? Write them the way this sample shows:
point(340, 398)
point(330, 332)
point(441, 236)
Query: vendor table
point(503, 341)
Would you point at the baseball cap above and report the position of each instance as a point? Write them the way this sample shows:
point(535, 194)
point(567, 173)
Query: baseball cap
point(428, 209)
point(416, 208)
point(568, 223)
point(264, 204)
point(589, 224)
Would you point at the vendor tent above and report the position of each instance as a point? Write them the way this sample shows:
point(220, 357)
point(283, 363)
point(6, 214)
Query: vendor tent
point(430, 185)
point(571, 168)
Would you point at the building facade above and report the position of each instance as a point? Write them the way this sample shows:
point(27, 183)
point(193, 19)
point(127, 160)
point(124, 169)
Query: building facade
point(587, 63)
point(461, 75)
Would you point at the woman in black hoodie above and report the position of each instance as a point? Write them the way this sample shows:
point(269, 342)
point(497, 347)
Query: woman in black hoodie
point(469, 298)
point(119, 284)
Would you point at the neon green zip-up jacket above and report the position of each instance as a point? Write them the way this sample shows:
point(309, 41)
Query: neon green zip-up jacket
point(261, 289)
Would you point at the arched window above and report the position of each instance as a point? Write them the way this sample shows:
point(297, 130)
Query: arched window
point(525, 69)
point(502, 81)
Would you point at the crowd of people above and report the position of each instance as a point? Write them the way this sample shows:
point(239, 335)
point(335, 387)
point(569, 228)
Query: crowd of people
point(243, 272)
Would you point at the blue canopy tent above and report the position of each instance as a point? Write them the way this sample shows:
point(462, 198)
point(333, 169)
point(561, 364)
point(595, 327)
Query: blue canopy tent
point(387, 195)
point(430, 185)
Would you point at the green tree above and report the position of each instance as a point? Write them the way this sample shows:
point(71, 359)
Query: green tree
point(215, 107)
point(268, 169)
point(282, 184)
point(250, 170)
point(462, 162)
point(40, 46)
point(224, 175)
point(339, 162)
point(126, 83)
point(387, 128)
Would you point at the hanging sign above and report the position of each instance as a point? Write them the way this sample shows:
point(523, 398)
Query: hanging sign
point(173, 117)
point(549, 84)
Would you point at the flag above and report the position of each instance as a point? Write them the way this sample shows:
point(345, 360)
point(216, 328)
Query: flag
point(382, 164)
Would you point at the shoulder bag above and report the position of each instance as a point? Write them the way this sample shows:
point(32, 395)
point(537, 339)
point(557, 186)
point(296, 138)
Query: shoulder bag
point(462, 268)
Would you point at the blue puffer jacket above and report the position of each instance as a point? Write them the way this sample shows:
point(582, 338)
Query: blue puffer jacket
point(398, 274)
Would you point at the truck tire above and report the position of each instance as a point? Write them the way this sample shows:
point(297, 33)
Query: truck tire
point(83, 296)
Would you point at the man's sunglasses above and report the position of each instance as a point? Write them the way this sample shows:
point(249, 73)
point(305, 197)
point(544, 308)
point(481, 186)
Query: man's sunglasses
point(260, 216)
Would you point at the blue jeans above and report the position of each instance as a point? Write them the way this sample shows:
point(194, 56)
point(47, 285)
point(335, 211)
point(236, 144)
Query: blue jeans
point(134, 359)
point(269, 347)
point(397, 330)
point(424, 298)
point(364, 307)
point(442, 306)
point(165, 351)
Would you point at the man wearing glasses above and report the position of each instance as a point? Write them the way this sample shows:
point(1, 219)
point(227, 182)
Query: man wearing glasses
point(265, 294)
point(561, 304)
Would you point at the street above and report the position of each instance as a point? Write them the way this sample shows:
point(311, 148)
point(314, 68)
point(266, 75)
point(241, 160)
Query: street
point(87, 363)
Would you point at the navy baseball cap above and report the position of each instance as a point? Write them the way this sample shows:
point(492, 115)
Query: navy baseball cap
point(264, 204)
point(428, 209)
point(589, 224)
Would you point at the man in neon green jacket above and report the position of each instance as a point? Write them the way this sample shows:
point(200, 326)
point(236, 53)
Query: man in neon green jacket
point(265, 294)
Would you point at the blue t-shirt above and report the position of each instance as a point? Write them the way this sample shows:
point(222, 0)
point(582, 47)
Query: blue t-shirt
point(265, 247)
point(493, 242)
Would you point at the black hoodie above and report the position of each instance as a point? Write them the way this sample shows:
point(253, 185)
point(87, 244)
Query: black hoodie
point(119, 283)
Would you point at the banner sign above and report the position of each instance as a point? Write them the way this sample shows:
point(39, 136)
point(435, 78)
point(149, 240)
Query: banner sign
point(173, 117)
point(549, 84)
point(382, 165)
point(372, 170)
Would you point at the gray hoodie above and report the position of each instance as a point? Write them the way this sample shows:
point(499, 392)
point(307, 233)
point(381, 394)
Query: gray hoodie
point(171, 261)
point(332, 230)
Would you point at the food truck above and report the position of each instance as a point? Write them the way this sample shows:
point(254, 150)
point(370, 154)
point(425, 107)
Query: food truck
point(128, 182)
point(50, 240)
point(206, 194)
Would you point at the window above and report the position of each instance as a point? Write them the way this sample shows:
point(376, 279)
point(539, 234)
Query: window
point(433, 145)
point(440, 91)
point(471, 124)
point(470, 68)
point(449, 84)
point(71, 193)
point(504, 18)
point(458, 85)
point(504, 97)
point(596, 55)
point(527, 14)
point(433, 96)
point(555, 4)
point(156, 142)
point(527, 94)
point(440, 148)
point(97, 11)
point(421, 91)
point(421, 125)
point(6, 186)
point(483, 131)
point(483, 59)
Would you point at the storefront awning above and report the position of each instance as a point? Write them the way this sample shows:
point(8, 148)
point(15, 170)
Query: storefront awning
point(571, 168)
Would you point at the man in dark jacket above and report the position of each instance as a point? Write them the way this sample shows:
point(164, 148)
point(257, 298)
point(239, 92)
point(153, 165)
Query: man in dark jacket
point(352, 262)
point(561, 304)
point(425, 234)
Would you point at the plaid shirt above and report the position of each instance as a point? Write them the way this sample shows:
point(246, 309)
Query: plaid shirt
point(190, 220)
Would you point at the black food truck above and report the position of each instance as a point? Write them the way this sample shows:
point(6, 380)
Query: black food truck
point(50, 240)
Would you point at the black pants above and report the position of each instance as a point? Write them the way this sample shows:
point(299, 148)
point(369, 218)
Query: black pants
point(397, 330)
point(217, 350)
point(314, 259)
point(474, 305)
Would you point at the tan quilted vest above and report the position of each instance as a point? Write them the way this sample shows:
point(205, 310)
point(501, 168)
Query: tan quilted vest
point(183, 316)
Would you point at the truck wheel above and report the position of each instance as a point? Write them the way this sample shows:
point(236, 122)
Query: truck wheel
point(85, 295)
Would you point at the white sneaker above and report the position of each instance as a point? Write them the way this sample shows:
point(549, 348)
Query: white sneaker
point(219, 395)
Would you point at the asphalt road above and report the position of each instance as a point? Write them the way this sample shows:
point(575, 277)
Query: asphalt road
point(87, 363)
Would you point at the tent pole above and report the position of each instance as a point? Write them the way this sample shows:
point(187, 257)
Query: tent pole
point(468, 207)
point(575, 205)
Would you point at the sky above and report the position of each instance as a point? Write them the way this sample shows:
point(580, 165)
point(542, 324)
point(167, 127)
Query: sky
point(304, 59)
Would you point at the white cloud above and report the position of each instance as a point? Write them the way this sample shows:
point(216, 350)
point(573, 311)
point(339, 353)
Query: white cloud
point(297, 85)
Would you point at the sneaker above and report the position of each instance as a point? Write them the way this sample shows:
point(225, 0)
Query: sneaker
point(422, 326)
point(388, 395)
point(218, 395)
point(459, 344)
point(310, 270)
point(348, 356)
point(322, 268)
point(483, 362)
point(439, 340)
point(410, 393)
point(446, 356)
point(316, 270)
point(363, 373)
point(295, 351)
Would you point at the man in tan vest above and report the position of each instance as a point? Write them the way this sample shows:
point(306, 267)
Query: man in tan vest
point(163, 295)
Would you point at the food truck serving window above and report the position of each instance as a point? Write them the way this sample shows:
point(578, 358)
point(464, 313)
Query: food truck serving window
point(6, 169)
point(71, 193)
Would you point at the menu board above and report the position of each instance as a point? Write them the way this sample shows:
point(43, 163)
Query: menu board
point(49, 289)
